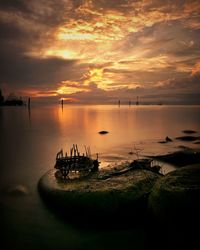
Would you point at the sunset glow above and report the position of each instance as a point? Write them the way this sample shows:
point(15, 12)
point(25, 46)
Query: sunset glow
point(108, 49)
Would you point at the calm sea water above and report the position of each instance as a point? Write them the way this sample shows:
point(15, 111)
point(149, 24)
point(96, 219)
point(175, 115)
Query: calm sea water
point(29, 142)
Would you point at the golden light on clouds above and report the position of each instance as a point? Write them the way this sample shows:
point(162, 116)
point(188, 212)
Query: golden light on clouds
point(62, 90)
point(38, 93)
point(69, 87)
point(99, 78)
point(66, 54)
point(196, 68)
point(107, 48)
point(68, 99)
point(94, 75)
point(65, 35)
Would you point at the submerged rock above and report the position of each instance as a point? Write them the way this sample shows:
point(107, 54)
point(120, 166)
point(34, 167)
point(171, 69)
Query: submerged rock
point(94, 197)
point(189, 131)
point(162, 142)
point(18, 190)
point(167, 139)
point(180, 158)
point(187, 138)
point(103, 132)
point(183, 147)
point(175, 197)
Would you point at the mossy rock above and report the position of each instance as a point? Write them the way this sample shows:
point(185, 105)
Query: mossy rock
point(121, 196)
point(181, 158)
point(176, 197)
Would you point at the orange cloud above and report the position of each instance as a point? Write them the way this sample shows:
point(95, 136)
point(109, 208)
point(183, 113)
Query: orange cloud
point(70, 87)
point(38, 93)
point(69, 99)
point(196, 69)
point(102, 46)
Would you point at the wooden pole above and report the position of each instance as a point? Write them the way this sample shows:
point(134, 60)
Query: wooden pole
point(74, 156)
point(137, 102)
point(85, 150)
point(89, 151)
point(77, 150)
point(29, 103)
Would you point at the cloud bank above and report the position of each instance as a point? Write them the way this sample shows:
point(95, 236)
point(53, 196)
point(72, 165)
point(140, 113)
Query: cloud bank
point(90, 51)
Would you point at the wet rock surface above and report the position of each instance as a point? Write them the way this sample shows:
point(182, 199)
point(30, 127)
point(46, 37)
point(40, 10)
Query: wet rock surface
point(189, 131)
point(103, 132)
point(187, 138)
point(167, 139)
point(180, 158)
point(95, 197)
point(175, 198)
point(19, 190)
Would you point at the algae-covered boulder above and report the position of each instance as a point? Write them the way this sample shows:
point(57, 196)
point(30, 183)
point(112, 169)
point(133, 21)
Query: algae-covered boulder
point(181, 158)
point(176, 197)
point(19, 190)
point(113, 196)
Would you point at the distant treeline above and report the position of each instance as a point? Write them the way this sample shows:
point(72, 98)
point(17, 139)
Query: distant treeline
point(11, 100)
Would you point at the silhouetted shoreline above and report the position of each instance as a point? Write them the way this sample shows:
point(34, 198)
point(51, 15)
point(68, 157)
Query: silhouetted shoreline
point(180, 158)
point(11, 100)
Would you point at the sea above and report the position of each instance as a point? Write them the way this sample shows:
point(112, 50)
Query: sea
point(30, 140)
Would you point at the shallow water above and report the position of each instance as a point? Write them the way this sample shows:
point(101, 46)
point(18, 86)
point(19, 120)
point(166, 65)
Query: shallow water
point(29, 142)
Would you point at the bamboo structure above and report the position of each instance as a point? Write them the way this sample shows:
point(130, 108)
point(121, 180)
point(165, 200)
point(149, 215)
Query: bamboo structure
point(75, 161)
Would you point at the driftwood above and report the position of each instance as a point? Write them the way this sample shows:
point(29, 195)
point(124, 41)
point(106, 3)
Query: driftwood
point(75, 161)
point(142, 164)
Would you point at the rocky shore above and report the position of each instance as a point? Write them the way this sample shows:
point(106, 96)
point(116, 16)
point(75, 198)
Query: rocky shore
point(175, 197)
point(127, 194)
point(166, 207)
point(180, 158)
point(95, 198)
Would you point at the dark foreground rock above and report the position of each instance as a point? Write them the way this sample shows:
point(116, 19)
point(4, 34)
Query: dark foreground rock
point(174, 207)
point(167, 139)
point(103, 132)
point(187, 138)
point(19, 190)
point(95, 198)
point(189, 131)
point(176, 197)
point(180, 158)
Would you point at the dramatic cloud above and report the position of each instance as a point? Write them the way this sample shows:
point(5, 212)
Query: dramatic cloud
point(101, 51)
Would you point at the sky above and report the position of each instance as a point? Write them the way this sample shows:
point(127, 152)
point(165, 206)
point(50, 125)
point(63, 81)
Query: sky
point(100, 51)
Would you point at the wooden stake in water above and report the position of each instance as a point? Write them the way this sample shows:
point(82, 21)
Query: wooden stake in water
point(86, 152)
point(137, 102)
point(29, 103)
point(119, 103)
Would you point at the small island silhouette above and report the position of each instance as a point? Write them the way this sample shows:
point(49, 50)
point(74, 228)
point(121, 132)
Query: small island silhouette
point(11, 100)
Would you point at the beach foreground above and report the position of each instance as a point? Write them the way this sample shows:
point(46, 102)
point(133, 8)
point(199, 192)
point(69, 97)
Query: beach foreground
point(167, 204)
point(29, 142)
